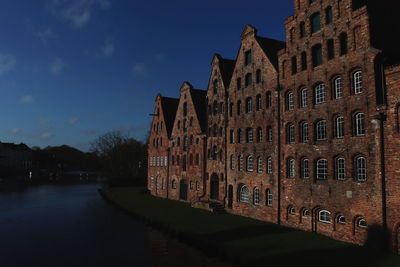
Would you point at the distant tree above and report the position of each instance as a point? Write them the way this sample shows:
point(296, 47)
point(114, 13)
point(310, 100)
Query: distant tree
point(122, 158)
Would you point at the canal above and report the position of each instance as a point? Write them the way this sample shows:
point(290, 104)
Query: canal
point(71, 225)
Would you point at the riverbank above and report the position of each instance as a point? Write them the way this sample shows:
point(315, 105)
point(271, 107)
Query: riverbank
point(240, 240)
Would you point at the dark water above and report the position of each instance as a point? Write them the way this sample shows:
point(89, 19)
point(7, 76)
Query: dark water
point(71, 225)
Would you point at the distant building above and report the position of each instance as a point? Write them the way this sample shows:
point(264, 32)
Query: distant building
point(15, 159)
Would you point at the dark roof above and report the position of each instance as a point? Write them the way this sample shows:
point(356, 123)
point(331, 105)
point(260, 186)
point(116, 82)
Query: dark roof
point(271, 48)
point(169, 107)
point(200, 105)
point(13, 146)
point(226, 67)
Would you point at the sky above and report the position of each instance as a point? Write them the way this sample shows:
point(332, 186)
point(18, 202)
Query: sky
point(73, 70)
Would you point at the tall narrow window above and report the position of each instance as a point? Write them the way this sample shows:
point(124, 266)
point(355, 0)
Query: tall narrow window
point(258, 76)
point(304, 100)
point(339, 123)
point(269, 133)
point(361, 169)
point(239, 137)
point(320, 130)
point(294, 65)
point(239, 83)
point(232, 136)
point(258, 102)
point(269, 165)
point(328, 15)
point(303, 61)
point(239, 107)
point(357, 79)
point(232, 162)
point(214, 154)
point(304, 132)
point(331, 49)
point(269, 198)
point(317, 55)
point(184, 163)
point(315, 22)
point(340, 169)
point(249, 79)
point(305, 168)
point(215, 87)
point(338, 88)
point(291, 170)
point(259, 165)
point(320, 94)
point(302, 29)
point(290, 101)
point(185, 109)
point(249, 106)
point(231, 109)
point(256, 196)
point(290, 133)
point(268, 99)
point(249, 135)
point(241, 163)
point(247, 57)
point(215, 108)
point(197, 159)
point(259, 135)
point(244, 194)
point(322, 169)
point(343, 44)
point(360, 124)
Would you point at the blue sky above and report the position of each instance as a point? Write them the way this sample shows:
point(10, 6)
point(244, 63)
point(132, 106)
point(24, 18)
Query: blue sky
point(71, 70)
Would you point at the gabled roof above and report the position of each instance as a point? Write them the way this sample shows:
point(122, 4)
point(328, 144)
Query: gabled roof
point(226, 67)
point(200, 106)
point(271, 48)
point(169, 107)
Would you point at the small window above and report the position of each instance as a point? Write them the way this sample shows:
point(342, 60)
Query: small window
point(317, 55)
point(268, 99)
point(232, 162)
point(302, 29)
point(259, 135)
point(304, 98)
point(322, 169)
point(247, 57)
point(185, 109)
point(197, 186)
point(232, 136)
point(259, 165)
point(341, 219)
point(290, 133)
point(328, 15)
point(241, 163)
point(269, 133)
point(258, 76)
point(338, 88)
point(290, 101)
point(256, 196)
point(343, 44)
point(239, 137)
point(214, 154)
point(357, 79)
point(340, 169)
point(231, 109)
point(362, 223)
point(215, 87)
point(197, 159)
point(306, 213)
point(360, 124)
point(303, 61)
point(361, 169)
point(304, 132)
point(249, 135)
point(294, 65)
point(250, 163)
point(324, 216)
point(315, 22)
point(244, 194)
point(269, 198)
point(158, 183)
point(320, 94)
point(239, 107)
point(173, 184)
point(249, 105)
point(151, 181)
point(292, 211)
point(249, 79)
point(339, 123)
point(258, 102)
point(269, 165)
point(305, 168)
point(239, 83)
point(291, 169)
point(331, 49)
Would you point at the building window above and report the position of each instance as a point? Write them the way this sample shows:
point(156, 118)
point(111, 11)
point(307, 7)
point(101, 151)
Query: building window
point(259, 135)
point(341, 219)
point(320, 94)
point(249, 135)
point(268, 198)
point(163, 184)
point(339, 122)
point(258, 102)
point(249, 79)
point(244, 194)
point(269, 133)
point(304, 132)
point(197, 186)
point(361, 169)
point(191, 159)
point(328, 15)
point(232, 136)
point(172, 160)
point(306, 213)
point(249, 163)
point(360, 124)
point(362, 223)
point(322, 169)
point(340, 169)
point(290, 101)
point(338, 88)
point(269, 165)
point(291, 170)
point(291, 211)
point(239, 107)
point(158, 183)
point(191, 140)
point(247, 57)
point(240, 162)
point(239, 138)
point(161, 161)
point(324, 216)
point(214, 154)
point(231, 109)
point(357, 79)
point(158, 161)
point(239, 83)
point(294, 65)
point(184, 109)
point(303, 61)
point(304, 100)
point(151, 181)
point(185, 143)
point(184, 163)
point(331, 49)
point(256, 196)
point(259, 165)
point(215, 130)
point(315, 22)
point(232, 162)
point(268, 99)
point(302, 29)
point(191, 185)
point(317, 55)
point(290, 133)
point(258, 76)
point(305, 169)
point(215, 87)
point(173, 184)
point(343, 44)
point(249, 105)
point(197, 159)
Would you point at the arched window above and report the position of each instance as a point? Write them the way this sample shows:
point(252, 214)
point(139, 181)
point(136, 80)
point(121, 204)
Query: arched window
point(244, 194)
point(291, 210)
point(360, 124)
point(343, 44)
point(259, 165)
point(339, 124)
point(268, 99)
point(239, 137)
point(322, 169)
point(305, 168)
point(249, 79)
point(232, 162)
point(362, 223)
point(304, 100)
point(250, 163)
point(361, 169)
point(269, 133)
point(249, 135)
point(290, 101)
point(259, 135)
point(173, 184)
point(357, 81)
point(320, 130)
point(268, 195)
point(320, 94)
point(240, 162)
point(338, 88)
point(269, 165)
point(340, 168)
point(291, 169)
point(258, 102)
point(290, 133)
point(324, 216)
point(341, 219)
point(258, 76)
point(256, 196)
point(306, 213)
point(249, 106)
point(315, 22)
point(239, 107)
point(304, 132)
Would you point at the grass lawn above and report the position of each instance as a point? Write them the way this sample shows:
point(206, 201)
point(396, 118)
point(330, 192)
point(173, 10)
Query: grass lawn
point(242, 240)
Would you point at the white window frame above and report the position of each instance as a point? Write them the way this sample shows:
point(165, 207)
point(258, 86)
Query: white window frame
point(191, 185)
point(161, 161)
point(362, 223)
point(321, 130)
point(244, 195)
point(291, 168)
point(269, 197)
point(304, 99)
point(250, 163)
point(360, 124)
point(269, 129)
point(291, 134)
point(158, 161)
point(340, 169)
point(304, 132)
point(197, 186)
point(249, 135)
point(339, 121)
point(306, 213)
point(269, 165)
point(151, 181)
point(290, 101)
point(341, 219)
point(357, 79)
point(320, 94)
point(165, 161)
point(324, 216)
point(259, 165)
point(232, 162)
point(322, 169)
point(292, 211)
point(256, 196)
point(338, 88)
point(240, 162)
point(305, 169)
point(361, 169)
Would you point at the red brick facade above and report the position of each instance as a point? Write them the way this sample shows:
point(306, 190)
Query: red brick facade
point(304, 133)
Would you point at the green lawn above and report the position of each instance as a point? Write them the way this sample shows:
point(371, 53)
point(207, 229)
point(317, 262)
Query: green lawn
point(243, 240)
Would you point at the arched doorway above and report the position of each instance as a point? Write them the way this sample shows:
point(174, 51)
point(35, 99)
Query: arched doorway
point(183, 188)
point(230, 196)
point(214, 186)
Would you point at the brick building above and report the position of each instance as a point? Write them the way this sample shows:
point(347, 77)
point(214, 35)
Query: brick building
point(306, 133)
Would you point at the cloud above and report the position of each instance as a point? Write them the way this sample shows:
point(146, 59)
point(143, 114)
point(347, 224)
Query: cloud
point(14, 130)
point(7, 63)
point(76, 12)
point(27, 99)
point(73, 121)
point(43, 121)
point(139, 69)
point(46, 135)
point(57, 66)
point(108, 49)
point(45, 34)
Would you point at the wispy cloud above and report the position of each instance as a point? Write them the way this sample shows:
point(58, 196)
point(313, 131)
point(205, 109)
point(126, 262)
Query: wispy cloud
point(42, 121)
point(45, 34)
point(46, 135)
point(76, 12)
point(108, 49)
point(57, 66)
point(27, 99)
point(7, 63)
point(73, 121)
point(14, 130)
point(139, 69)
